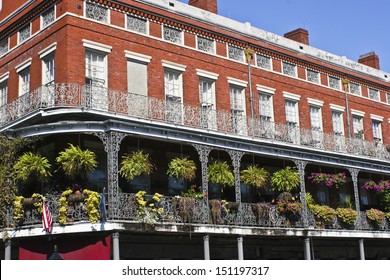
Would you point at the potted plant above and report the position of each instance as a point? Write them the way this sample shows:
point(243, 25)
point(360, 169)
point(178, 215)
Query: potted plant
point(149, 211)
point(186, 202)
point(92, 200)
point(254, 176)
point(32, 165)
point(347, 216)
point(324, 215)
point(329, 180)
point(219, 173)
point(261, 211)
point(288, 206)
point(217, 208)
point(63, 201)
point(18, 212)
point(135, 164)
point(286, 179)
point(375, 216)
point(76, 162)
point(182, 168)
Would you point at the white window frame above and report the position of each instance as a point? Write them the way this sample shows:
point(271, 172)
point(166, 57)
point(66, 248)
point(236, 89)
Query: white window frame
point(388, 97)
point(337, 86)
point(269, 92)
point(180, 38)
point(213, 51)
point(19, 41)
point(294, 68)
point(266, 57)
point(3, 91)
point(141, 19)
point(208, 109)
point(313, 71)
point(46, 55)
point(337, 110)
point(377, 134)
point(357, 115)
point(23, 70)
point(238, 114)
point(377, 96)
point(294, 100)
point(96, 4)
point(6, 40)
point(359, 93)
point(55, 16)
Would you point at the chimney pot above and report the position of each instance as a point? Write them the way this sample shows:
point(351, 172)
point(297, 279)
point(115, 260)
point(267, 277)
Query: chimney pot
point(300, 35)
point(208, 5)
point(370, 59)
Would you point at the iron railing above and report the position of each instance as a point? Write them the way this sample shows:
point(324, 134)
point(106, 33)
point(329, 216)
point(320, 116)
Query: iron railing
point(170, 112)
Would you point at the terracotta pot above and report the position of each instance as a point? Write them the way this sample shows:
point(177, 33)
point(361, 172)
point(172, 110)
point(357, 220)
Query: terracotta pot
point(76, 198)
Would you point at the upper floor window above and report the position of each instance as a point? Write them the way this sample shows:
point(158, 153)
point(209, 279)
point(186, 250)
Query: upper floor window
point(334, 83)
point(266, 106)
point(3, 46)
point(237, 106)
point(289, 69)
point(315, 118)
point(313, 76)
point(388, 97)
point(338, 124)
point(24, 81)
point(173, 35)
point(48, 17)
point(373, 94)
point(358, 131)
point(96, 12)
point(264, 61)
point(48, 69)
point(205, 44)
point(137, 24)
point(377, 130)
point(24, 33)
point(137, 73)
point(3, 94)
point(291, 107)
point(354, 88)
point(95, 68)
point(173, 85)
point(235, 53)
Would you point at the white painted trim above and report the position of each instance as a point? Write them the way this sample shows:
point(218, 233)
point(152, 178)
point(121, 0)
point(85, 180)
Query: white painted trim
point(173, 65)
point(291, 96)
point(338, 108)
point(138, 56)
point(315, 102)
point(357, 113)
point(96, 46)
point(237, 82)
point(206, 74)
point(376, 117)
point(23, 65)
point(265, 89)
point(47, 50)
point(4, 77)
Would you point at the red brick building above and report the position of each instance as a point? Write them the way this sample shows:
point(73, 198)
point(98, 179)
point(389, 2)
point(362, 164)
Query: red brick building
point(178, 80)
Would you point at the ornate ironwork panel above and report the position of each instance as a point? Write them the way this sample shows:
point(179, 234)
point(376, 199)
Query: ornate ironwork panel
point(3, 46)
point(354, 88)
point(289, 69)
point(48, 17)
point(172, 35)
point(301, 169)
point(235, 53)
point(236, 157)
point(334, 82)
point(264, 61)
point(96, 12)
point(203, 152)
point(24, 33)
point(206, 44)
point(313, 76)
point(136, 24)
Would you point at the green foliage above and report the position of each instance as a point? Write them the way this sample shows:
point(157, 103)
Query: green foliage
point(32, 165)
point(309, 200)
point(383, 198)
point(75, 161)
point(286, 179)
point(92, 200)
point(346, 215)
point(323, 212)
point(375, 215)
point(255, 176)
point(135, 164)
point(182, 168)
point(219, 173)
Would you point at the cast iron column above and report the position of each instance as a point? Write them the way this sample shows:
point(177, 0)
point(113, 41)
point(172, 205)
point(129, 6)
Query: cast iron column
point(7, 252)
point(354, 174)
point(301, 169)
point(361, 249)
point(240, 248)
point(307, 254)
point(206, 247)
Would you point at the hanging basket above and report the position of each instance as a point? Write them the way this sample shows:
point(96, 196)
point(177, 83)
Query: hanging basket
point(28, 201)
point(76, 198)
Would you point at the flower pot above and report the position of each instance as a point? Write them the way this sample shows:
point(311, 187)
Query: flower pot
point(76, 198)
point(28, 201)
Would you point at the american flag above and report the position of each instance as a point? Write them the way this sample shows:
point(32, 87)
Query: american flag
point(47, 218)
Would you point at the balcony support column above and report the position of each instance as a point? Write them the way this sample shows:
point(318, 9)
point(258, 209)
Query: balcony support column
point(354, 174)
point(306, 251)
point(206, 247)
point(301, 169)
point(111, 141)
point(240, 247)
point(203, 152)
point(115, 246)
point(236, 161)
point(361, 249)
point(7, 250)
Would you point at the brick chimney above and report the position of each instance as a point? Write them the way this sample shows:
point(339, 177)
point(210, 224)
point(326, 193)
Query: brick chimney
point(300, 35)
point(208, 5)
point(370, 59)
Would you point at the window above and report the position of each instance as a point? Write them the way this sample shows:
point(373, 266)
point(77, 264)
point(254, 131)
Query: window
point(137, 24)
point(235, 53)
point(205, 44)
point(96, 95)
point(266, 106)
point(3, 46)
point(47, 17)
point(358, 131)
point(291, 112)
point(354, 88)
point(207, 101)
point(48, 69)
point(172, 35)
point(264, 62)
point(3, 95)
point(388, 97)
point(373, 94)
point(24, 81)
point(96, 12)
point(315, 118)
point(334, 83)
point(289, 69)
point(337, 121)
point(24, 33)
point(237, 106)
point(313, 76)
point(377, 131)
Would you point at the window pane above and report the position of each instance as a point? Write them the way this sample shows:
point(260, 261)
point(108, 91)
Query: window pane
point(136, 24)
point(264, 61)
point(289, 69)
point(291, 116)
point(96, 12)
point(313, 76)
point(205, 44)
point(172, 35)
point(235, 53)
point(334, 82)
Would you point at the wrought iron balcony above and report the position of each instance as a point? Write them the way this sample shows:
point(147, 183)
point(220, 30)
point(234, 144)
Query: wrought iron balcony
point(198, 212)
point(170, 112)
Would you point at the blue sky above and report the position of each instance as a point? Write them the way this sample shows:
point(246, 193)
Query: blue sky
point(344, 27)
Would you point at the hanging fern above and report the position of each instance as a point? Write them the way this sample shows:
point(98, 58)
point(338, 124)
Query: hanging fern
point(32, 165)
point(286, 179)
point(219, 173)
point(135, 164)
point(255, 176)
point(182, 168)
point(74, 161)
